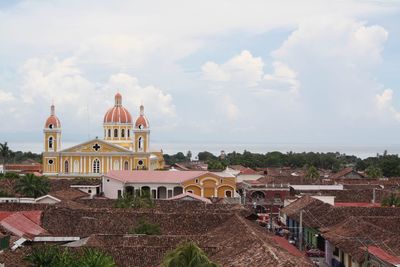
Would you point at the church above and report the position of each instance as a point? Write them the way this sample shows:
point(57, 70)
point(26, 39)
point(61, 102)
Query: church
point(125, 146)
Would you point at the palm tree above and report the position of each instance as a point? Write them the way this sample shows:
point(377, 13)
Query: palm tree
point(43, 256)
point(96, 258)
point(187, 255)
point(32, 186)
point(391, 201)
point(312, 173)
point(4, 152)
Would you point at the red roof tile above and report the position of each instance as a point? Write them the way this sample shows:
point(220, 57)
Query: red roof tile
point(383, 255)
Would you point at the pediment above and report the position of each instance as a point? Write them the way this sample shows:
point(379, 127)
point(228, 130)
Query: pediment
point(94, 146)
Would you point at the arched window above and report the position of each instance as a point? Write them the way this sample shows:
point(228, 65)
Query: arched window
point(50, 142)
point(126, 166)
point(129, 133)
point(66, 166)
point(123, 133)
point(96, 166)
point(109, 132)
point(140, 143)
point(115, 132)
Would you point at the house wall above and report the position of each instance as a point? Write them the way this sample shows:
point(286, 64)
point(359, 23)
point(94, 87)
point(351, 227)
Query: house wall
point(111, 187)
point(211, 185)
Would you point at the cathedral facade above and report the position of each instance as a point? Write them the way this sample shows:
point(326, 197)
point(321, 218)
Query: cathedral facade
point(125, 146)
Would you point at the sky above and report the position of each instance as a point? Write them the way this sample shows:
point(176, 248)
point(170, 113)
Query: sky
point(228, 71)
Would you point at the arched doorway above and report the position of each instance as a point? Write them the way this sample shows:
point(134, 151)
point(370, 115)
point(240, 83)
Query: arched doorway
point(162, 192)
point(178, 190)
point(130, 190)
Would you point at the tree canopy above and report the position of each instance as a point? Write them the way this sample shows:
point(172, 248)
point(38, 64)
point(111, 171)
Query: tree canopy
point(187, 255)
point(32, 186)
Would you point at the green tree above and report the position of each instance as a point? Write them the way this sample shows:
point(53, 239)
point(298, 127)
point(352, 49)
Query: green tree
point(215, 165)
point(96, 258)
point(4, 152)
point(146, 228)
point(142, 199)
point(205, 156)
point(43, 256)
point(391, 201)
point(187, 255)
point(32, 186)
point(373, 172)
point(312, 173)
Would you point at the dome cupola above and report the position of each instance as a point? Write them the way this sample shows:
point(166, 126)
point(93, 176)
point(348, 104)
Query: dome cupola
point(52, 122)
point(118, 114)
point(141, 121)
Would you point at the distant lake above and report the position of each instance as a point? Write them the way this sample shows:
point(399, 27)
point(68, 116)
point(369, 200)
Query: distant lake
point(362, 151)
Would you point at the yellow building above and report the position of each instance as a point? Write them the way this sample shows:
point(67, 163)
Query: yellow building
point(125, 146)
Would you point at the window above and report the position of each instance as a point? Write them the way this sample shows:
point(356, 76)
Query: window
point(119, 193)
point(89, 191)
point(51, 161)
point(228, 193)
point(140, 162)
point(123, 133)
point(221, 181)
point(126, 166)
point(50, 142)
point(115, 132)
point(129, 133)
point(51, 126)
point(197, 181)
point(140, 143)
point(109, 132)
point(141, 126)
point(190, 191)
point(66, 166)
point(96, 166)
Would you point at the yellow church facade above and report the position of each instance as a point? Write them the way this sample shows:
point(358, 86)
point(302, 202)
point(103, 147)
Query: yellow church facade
point(125, 146)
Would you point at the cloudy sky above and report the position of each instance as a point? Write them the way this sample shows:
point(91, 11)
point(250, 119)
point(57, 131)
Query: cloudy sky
point(311, 71)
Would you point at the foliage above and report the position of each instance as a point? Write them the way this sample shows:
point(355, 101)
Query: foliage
point(5, 194)
point(312, 173)
point(391, 201)
point(146, 228)
point(32, 186)
point(373, 172)
point(95, 258)
point(4, 152)
point(7, 155)
point(206, 156)
point(11, 175)
point(215, 165)
point(142, 199)
point(52, 256)
point(187, 255)
point(176, 158)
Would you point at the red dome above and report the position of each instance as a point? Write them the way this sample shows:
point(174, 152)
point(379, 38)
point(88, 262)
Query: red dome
point(52, 121)
point(118, 114)
point(142, 120)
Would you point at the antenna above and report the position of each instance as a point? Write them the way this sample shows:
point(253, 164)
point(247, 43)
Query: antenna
point(88, 122)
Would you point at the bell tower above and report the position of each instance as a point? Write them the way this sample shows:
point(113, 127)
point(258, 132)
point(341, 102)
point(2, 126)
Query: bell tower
point(141, 132)
point(52, 132)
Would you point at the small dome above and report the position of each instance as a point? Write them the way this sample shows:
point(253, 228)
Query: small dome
point(52, 122)
point(141, 121)
point(118, 114)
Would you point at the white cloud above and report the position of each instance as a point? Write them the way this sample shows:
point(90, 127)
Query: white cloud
point(6, 96)
point(242, 68)
point(384, 103)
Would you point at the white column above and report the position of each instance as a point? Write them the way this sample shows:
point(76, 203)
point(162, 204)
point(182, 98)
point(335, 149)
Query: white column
point(102, 164)
point(80, 165)
point(120, 164)
point(61, 164)
point(90, 165)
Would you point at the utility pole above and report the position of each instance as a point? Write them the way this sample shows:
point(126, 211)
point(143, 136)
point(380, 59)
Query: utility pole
point(301, 231)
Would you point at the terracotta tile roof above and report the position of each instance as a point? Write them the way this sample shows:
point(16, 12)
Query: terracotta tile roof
point(356, 204)
point(248, 171)
point(24, 167)
point(190, 195)
point(154, 176)
point(354, 233)
point(342, 173)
